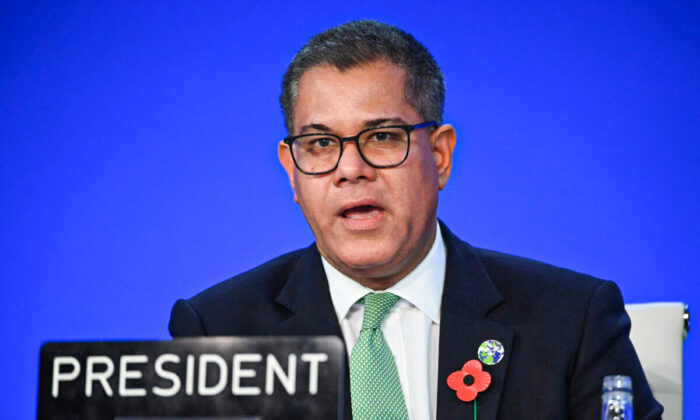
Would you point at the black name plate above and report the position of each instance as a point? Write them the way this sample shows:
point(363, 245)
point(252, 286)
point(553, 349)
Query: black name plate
point(193, 378)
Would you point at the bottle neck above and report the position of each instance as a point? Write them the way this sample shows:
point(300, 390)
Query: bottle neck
point(618, 396)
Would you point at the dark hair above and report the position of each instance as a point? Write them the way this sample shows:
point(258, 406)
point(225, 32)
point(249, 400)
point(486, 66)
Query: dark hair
point(361, 42)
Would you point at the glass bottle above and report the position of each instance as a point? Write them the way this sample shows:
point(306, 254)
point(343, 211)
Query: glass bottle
point(617, 398)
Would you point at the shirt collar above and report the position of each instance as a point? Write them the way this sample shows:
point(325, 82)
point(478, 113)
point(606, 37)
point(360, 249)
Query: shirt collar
point(422, 287)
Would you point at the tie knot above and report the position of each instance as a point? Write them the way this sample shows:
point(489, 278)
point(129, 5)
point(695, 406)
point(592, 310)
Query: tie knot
point(377, 305)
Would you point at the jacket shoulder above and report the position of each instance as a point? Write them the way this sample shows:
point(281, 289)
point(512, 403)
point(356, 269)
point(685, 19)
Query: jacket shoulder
point(264, 281)
point(544, 295)
point(242, 305)
point(520, 276)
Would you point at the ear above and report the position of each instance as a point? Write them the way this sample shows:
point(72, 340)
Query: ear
point(287, 162)
point(443, 141)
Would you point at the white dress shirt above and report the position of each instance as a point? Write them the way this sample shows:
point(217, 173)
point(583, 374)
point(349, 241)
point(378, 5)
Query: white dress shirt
point(411, 329)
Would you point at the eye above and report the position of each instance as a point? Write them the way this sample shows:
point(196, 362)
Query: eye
point(384, 136)
point(318, 143)
point(380, 136)
point(322, 142)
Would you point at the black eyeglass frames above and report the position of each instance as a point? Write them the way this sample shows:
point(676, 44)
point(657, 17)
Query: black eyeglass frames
point(380, 147)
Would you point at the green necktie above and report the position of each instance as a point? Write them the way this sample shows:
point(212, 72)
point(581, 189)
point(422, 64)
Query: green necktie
point(374, 381)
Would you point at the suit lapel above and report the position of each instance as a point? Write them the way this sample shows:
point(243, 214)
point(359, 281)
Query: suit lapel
point(468, 296)
point(307, 296)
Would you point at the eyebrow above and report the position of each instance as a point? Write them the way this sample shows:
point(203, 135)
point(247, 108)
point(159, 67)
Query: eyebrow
point(378, 122)
point(383, 121)
point(315, 128)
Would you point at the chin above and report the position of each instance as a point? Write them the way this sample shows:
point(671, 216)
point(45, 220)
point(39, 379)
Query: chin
point(365, 258)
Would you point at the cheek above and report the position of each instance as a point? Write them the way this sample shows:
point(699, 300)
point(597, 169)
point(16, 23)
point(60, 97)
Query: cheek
point(421, 184)
point(416, 195)
point(423, 170)
point(310, 195)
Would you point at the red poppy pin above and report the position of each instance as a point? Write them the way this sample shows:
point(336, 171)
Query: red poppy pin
point(480, 380)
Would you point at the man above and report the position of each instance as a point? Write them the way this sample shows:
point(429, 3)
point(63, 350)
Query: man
point(367, 155)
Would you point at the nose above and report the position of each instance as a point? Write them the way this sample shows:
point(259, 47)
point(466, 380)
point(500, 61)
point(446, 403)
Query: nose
point(352, 168)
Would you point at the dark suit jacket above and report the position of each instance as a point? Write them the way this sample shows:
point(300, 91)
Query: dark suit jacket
point(562, 331)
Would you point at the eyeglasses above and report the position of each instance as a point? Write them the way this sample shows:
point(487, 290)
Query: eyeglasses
point(380, 147)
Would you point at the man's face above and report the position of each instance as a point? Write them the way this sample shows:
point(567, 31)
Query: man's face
point(374, 225)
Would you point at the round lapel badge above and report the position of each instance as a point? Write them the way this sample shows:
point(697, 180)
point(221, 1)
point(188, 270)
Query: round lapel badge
point(491, 352)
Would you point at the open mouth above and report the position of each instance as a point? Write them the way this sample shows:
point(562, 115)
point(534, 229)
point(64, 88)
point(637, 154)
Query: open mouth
point(361, 212)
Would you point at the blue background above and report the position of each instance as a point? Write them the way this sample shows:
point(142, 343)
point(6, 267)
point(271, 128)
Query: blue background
point(138, 152)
